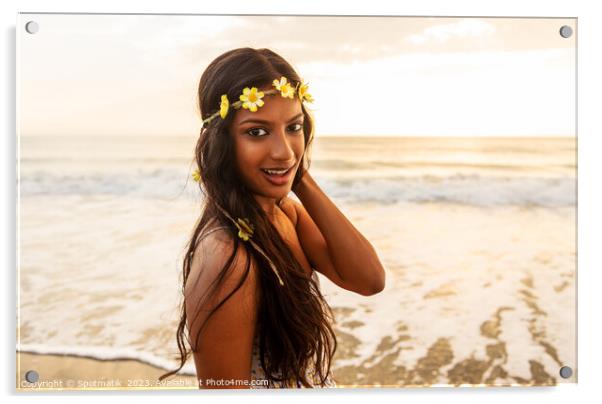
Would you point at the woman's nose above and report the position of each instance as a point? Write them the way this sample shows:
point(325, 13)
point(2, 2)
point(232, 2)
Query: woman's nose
point(281, 148)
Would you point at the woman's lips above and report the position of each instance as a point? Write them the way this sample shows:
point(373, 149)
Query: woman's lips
point(279, 179)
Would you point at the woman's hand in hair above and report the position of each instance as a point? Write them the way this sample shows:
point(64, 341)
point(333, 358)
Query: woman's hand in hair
point(301, 172)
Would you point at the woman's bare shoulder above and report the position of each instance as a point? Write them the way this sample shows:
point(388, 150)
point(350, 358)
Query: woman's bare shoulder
point(214, 254)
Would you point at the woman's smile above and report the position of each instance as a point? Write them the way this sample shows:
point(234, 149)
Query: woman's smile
point(279, 176)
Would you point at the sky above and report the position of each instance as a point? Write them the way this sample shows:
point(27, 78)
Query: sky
point(370, 76)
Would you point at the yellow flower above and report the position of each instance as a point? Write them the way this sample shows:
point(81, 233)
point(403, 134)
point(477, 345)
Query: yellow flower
point(245, 228)
point(251, 99)
point(279, 84)
point(223, 107)
point(285, 88)
point(303, 94)
point(196, 175)
point(287, 91)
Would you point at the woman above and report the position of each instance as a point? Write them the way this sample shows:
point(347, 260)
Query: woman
point(252, 303)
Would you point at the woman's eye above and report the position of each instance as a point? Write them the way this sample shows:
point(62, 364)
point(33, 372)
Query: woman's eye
point(296, 127)
point(257, 132)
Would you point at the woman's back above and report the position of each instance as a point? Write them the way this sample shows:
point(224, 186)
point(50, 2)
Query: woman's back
point(223, 342)
point(214, 240)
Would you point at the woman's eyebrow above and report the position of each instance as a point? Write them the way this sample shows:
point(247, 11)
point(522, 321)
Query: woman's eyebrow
point(256, 120)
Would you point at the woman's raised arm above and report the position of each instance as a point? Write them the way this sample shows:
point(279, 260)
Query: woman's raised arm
point(333, 245)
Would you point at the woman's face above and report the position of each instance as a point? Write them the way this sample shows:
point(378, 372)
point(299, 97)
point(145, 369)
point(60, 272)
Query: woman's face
point(269, 144)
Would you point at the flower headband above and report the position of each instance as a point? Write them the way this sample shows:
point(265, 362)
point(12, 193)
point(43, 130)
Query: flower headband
point(251, 98)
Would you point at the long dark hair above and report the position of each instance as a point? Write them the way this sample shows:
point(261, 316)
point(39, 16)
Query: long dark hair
point(294, 320)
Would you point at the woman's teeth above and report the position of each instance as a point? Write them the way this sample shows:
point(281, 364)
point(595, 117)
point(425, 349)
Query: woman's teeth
point(275, 172)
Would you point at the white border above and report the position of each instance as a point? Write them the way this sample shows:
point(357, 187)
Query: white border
point(590, 202)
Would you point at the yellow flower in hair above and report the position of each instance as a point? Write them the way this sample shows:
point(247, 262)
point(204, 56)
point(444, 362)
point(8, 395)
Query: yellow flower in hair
point(303, 94)
point(223, 107)
point(196, 175)
point(251, 99)
point(279, 84)
point(245, 228)
point(286, 90)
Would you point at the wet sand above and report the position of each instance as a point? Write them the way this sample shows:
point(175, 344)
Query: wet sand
point(472, 298)
point(439, 363)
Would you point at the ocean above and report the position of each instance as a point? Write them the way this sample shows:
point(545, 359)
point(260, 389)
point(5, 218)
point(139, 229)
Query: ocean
point(477, 235)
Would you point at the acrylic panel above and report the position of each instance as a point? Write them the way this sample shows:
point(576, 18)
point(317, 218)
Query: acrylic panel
point(448, 143)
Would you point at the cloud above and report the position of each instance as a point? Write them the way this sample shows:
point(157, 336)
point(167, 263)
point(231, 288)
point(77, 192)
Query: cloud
point(460, 94)
point(444, 32)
